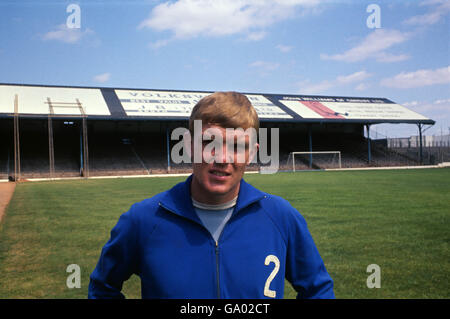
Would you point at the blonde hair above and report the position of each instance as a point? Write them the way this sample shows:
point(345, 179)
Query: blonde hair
point(225, 109)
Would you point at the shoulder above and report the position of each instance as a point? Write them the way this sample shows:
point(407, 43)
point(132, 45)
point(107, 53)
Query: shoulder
point(147, 209)
point(142, 213)
point(278, 206)
point(275, 206)
point(287, 218)
point(147, 204)
point(276, 202)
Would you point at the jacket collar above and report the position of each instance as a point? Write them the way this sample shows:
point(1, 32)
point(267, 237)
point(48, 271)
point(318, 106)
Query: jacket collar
point(178, 198)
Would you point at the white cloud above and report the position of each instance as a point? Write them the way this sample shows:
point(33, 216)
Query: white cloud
point(256, 36)
point(352, 78)
point(373, 47)
point(418, 78)
point(441, 9)
point(284, 48)
point(386, 57)
point(443, 101)
point(265, 66)
point(67, 35)
point(191, 18)
point(159, 44)
point(436, 110)
point(412, 103)
point(307, 88)
point(362, 87)
point(357, 77)
point(102, 78)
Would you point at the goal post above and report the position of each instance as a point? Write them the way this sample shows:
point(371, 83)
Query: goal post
point(332, 154)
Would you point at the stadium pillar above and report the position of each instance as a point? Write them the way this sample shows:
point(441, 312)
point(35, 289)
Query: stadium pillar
point(168, 149)
point(81, 153)
point(310, 146)
point(369, 152)
point(51, 149)
point(420, 144)
point(16, 139)
point(85, 146)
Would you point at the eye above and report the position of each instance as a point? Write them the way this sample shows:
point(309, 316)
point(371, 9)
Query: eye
point(241, 145)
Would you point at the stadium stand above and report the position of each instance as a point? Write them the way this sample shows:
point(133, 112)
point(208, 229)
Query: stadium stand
point(432, 155)
point(110, 155)
point(5, 147)
point(127, 130)
point(117, 152)
point(34, 156)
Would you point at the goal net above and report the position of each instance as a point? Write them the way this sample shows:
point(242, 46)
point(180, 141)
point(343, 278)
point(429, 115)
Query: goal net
point(314, 160)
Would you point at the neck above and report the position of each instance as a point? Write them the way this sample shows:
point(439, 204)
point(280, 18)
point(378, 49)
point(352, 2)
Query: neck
point(209, 207)
point(202, 195)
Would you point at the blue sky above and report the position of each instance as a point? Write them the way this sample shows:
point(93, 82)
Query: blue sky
point(321, 47)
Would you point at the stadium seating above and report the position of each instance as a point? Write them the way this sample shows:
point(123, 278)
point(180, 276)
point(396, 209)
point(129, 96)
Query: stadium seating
point(353, 148)
point(110, 155)
point(136, 150)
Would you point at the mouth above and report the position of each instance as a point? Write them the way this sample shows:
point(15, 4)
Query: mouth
point(219, 173)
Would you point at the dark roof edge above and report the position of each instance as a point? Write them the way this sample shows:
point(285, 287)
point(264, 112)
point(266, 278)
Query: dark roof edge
point(183, 90)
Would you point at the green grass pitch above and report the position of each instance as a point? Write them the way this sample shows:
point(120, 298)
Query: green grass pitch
point(397, 219)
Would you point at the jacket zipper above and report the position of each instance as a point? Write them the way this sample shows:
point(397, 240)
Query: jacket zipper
point(217, 270)
point(216, 248)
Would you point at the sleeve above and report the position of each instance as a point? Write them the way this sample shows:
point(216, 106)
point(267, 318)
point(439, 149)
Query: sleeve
point(118, 261)
point(305, 269)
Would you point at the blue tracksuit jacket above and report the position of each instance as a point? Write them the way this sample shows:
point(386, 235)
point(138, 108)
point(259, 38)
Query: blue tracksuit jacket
point(162, 240)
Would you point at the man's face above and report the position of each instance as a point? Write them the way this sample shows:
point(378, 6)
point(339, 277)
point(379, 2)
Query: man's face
point(217, 178)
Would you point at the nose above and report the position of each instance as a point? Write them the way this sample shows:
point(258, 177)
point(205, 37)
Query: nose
point(225, 156)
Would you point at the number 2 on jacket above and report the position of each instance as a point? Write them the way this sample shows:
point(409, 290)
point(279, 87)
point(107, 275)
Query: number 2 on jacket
point(271, 259)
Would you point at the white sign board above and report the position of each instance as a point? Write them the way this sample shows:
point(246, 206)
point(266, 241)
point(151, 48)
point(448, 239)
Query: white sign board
point(158, 103)
point(35, 100)
point(265, 108)
point(377, 111)
point(180, 104)
point(366, 110)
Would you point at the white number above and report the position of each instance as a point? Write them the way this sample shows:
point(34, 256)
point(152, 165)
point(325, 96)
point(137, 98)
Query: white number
point(271, 259)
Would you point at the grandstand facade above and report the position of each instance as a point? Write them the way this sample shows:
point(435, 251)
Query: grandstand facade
point(60, 131)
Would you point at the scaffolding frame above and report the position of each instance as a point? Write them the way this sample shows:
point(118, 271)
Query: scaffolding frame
point(84, 170)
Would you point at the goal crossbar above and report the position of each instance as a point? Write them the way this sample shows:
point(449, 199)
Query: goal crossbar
point(314, 152)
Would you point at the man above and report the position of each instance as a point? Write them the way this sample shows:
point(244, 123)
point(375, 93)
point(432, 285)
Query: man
point(214, 235)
